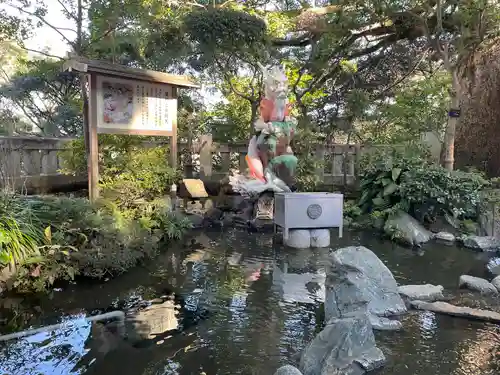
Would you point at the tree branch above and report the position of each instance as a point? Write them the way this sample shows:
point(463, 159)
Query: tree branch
point(409, 73)
point(228, 79)
point(41, 53)
point(43, 20)
point(117, 27)
point(28, 116)
point(300, 41)
point(68, 13)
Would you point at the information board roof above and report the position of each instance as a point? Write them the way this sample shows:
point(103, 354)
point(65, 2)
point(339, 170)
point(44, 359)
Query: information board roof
point(84, 65)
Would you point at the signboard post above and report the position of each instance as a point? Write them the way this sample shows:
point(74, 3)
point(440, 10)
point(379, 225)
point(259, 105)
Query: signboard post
point(128, 101)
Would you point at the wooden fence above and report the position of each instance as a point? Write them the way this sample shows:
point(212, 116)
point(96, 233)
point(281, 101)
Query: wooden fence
point(32, 163)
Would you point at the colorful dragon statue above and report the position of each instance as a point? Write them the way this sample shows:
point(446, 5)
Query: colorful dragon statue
point(270, 157)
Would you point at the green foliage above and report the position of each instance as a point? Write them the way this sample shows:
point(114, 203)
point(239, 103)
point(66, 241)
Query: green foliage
point(60, 111)
point(230, 120)
point(305, 145)
point(381, 174)
point(418, 106)
point(74, 238)
point(380, 188)
point(303, 81)
point(433, 191)
point(15, 246)
point(215, 32)
point(73, 158)
point(130, 172)
point(394, 180)
point(38, 273)
point(144, 176)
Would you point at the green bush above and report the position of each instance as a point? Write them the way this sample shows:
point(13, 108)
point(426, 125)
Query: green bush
point(78, 238)
point(431, 191)
point(304, 147)
point(20, 232)
point(129, 172)
point(396, 180)
point(15, 244)
point(381, 174)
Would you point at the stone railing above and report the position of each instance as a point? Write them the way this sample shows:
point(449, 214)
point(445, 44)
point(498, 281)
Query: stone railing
point(32, 163)
point(216, 160)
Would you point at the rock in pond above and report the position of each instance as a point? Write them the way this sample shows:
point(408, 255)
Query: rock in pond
point(493, 266)
point(345, 346)
point(444, 237)
point(477, 284)
point(356, 274)
point(407, 229)
point(496, 282)
point(287, 370)
point(449, 309)
point(213, 217)
point(482, 243)
point(427, 292)
point(384, 324)
point(152, 321)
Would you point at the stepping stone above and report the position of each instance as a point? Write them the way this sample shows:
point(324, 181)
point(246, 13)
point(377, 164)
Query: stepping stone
point(427, 292)
point(476, 283)
point(445, 237)
point(194, 188)
point(459, 311)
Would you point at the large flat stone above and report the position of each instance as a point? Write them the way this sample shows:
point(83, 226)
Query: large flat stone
point(287, 370)
point(192, 188)
point(444, 237)
point(153, 321)
point(464, 312)
point(476, 283)
point(427, 292)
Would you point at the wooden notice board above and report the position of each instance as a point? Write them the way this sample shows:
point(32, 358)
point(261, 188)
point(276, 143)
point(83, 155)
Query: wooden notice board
point(128, 101)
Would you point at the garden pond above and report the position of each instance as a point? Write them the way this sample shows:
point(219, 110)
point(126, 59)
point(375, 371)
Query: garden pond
point(247, 305)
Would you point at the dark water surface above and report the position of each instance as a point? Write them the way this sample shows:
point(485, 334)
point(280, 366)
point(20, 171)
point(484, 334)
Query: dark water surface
point(248, 306)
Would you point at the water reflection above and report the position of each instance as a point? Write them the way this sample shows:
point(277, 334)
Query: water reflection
point(299, 276)
point(428, 324)
point(243, 305)
point(56, 352)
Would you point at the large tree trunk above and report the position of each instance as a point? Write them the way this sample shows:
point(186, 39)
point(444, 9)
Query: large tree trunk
point(451, 125)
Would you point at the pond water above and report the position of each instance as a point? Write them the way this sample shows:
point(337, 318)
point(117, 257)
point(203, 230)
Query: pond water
point(249, 305)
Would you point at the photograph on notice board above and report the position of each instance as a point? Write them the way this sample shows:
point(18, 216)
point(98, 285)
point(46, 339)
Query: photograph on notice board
point(118, 103)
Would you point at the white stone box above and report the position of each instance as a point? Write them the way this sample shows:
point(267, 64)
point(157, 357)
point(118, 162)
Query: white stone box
point(308, 211)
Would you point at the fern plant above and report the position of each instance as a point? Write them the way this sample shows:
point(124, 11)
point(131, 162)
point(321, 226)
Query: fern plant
point(16, 245)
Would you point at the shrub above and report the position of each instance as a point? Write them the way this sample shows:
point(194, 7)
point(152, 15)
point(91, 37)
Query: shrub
point(129, 172)
point(381, 174)
point(430, 191)
point(304, 147)
point(411, 183)
point(54, 238)
point(89, 240)
point(15, 245)
point(19, 233)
